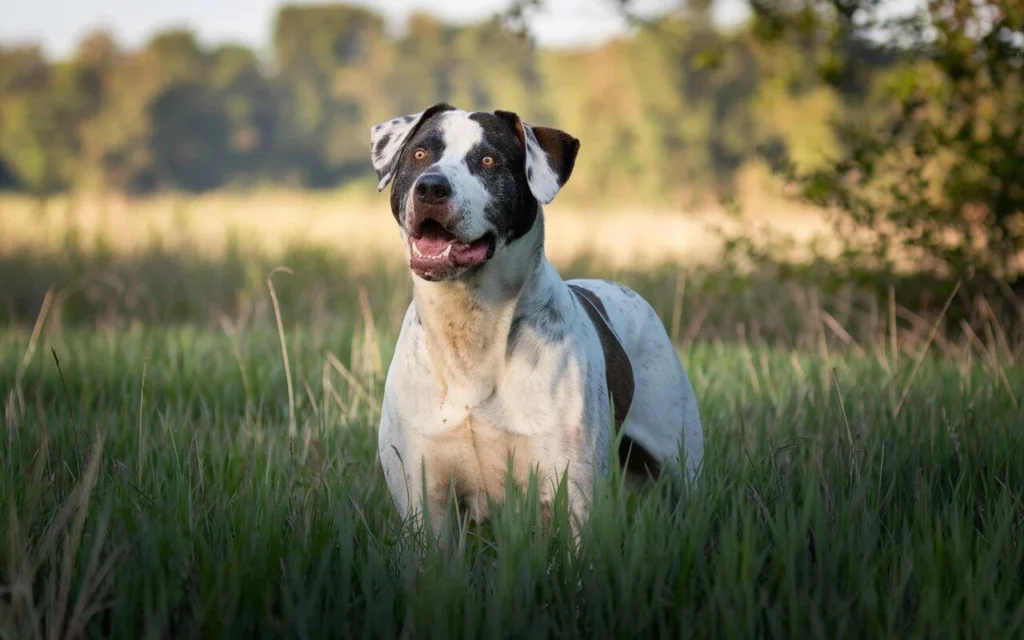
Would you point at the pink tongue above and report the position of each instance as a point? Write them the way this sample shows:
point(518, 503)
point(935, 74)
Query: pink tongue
point(432, 245)
point(470, 254)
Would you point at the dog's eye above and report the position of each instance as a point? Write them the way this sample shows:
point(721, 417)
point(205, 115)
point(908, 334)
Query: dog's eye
point(419, 154)
point(488, 161)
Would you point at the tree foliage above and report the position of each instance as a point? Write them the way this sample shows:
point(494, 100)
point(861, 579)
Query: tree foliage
point(928, 153)
point(908, 128)
point(934, 164)
point(660, 120)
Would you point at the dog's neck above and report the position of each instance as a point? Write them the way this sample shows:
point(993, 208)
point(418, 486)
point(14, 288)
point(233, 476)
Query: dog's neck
point(467, 321)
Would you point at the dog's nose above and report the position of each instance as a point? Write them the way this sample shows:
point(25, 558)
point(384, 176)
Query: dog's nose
point(433, 188)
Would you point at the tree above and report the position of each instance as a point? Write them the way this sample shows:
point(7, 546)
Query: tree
point(31, 137)
point(933, 169)
point(251, 107)
point(324, 122)
point(936, 171)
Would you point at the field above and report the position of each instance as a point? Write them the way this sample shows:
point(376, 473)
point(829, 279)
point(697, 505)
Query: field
point(189, 441)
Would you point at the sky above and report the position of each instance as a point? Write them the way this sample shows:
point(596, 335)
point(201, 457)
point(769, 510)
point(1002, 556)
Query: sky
point(59, 24)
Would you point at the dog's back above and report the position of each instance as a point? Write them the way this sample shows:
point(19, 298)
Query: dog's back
point(663, 412)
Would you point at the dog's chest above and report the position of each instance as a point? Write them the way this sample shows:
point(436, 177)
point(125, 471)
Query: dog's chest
point(477, 445)
point(477, 457)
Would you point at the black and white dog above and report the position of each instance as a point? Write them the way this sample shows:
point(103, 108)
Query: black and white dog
point(497, 354)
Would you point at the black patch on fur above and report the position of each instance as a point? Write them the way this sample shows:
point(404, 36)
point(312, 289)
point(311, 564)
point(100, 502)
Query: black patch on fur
point(636, 460)
point(381, 144)
point(546, 319)
point(561, 150)
point(514, 344)
point(550, 319)
point(620, 382)
point(513, 333)
point(425, 134)
point(512, 208)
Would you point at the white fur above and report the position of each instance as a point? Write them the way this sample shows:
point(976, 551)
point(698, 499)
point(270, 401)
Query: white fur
point(460, 135)
point(397, 131)
point(550, 394)
point(458, 400)
point(542, 178)
point(432, 390)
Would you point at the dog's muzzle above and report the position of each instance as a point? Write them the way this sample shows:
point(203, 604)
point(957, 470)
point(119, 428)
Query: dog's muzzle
point(433, 189)
point(436, 249)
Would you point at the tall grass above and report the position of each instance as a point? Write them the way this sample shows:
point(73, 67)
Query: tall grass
point(176, 462)
point(88, 284)
point(176, 503)
point(359, 222)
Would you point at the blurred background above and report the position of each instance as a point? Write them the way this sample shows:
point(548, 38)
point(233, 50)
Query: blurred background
point(201, 292)
point(794, 170)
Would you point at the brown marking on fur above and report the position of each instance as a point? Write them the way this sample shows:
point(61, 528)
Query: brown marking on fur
point(475, 457)
point(455, 340)
point(595, 303)
point(512, 119)
point(561, 149)
point(617, 368)
point(618, 373)
point(521, 133)
point(636, 459)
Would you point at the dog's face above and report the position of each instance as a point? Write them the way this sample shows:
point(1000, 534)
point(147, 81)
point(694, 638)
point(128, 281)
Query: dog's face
point(466, 185)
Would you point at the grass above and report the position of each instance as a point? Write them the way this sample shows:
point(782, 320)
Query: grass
point(359, 220)
point(150, 488)
point(163, 474)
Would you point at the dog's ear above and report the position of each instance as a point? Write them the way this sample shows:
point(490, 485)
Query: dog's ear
point(389, 139)
point(550, 156)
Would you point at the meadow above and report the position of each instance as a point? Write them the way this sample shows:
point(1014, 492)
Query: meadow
point(188, 438)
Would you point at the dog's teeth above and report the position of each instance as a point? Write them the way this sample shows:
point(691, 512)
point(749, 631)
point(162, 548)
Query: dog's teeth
point(416, 249)
point(446, 251)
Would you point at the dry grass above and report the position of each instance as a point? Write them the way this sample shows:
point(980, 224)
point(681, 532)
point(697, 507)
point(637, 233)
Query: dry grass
point(844, 495)
point(360, 224)
point(859, 478)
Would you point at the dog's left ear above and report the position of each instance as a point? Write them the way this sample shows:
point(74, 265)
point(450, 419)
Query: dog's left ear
point(389, 139)
point(550, 156)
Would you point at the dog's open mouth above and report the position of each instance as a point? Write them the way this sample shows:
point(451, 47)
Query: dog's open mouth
point(435, 250)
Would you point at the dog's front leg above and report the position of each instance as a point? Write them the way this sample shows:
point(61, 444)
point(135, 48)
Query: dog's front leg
point(427, 508)
point(578, 479)
point(438, 495)
point(579, 510)
point(407, 481)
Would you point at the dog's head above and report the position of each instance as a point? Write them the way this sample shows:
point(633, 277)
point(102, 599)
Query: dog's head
point(466, 185)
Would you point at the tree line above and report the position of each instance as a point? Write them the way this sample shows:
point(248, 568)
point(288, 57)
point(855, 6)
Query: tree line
point(915, 137)
point(678, 108)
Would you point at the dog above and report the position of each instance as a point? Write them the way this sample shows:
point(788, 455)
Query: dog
point(501, 365)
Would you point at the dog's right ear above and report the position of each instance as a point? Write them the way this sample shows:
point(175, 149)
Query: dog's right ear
point(389, 139)
point(550, 156)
